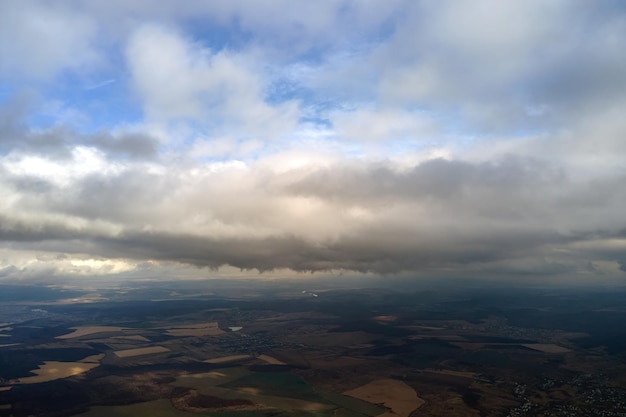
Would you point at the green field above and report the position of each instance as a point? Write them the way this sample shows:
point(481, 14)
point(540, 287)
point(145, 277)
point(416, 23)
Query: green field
point(276, 384)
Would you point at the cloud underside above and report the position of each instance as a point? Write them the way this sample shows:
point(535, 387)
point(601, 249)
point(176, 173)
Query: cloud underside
point(513, 216)
point(377, 254)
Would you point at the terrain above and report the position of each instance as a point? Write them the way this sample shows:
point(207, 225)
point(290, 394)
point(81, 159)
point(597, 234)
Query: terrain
point(311, 348)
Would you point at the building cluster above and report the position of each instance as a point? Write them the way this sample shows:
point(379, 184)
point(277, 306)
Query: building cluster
point(591, 401)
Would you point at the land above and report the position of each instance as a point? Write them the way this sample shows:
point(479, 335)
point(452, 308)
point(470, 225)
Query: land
point(127, 353)
point(399, 397)
point(261, 349)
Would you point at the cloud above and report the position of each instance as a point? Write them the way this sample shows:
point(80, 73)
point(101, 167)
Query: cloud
point(285, 28)
point(60, 140)
point(384, 124)
point(179, 79)
point(501, 216)
point(45, 39)
point(379, 137)
point(490, 67)
point(132, 145)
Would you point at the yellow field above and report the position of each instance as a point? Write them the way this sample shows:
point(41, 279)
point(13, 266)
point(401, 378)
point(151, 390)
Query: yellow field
point(546, 347)
point(224, 359)
point(194, 332)
point(50, 371)
point(270, 360)
point(127, 353)
point(134, 337)
point(395, 395)
point(210, 328)
point(92, 359)
point(87, 330)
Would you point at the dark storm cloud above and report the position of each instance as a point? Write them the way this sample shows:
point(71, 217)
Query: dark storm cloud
point(17, 230)
point(391, 253)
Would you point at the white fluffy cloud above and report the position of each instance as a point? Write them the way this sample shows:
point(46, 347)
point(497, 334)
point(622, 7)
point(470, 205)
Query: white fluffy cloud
point(179, 79)
point(384, 125)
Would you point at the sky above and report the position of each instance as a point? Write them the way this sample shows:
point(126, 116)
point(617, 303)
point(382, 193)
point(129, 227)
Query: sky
point(191, 139)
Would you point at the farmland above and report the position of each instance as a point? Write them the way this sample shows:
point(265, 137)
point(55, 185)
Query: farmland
point(400, 398)
point(356, 353)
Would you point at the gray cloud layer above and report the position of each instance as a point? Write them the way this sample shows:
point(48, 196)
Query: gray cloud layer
point(364, 217)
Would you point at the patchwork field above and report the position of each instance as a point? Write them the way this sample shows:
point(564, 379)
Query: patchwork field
point(342, 354)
